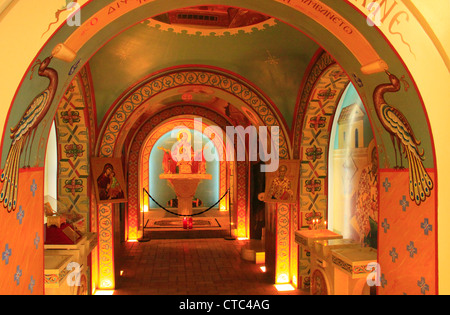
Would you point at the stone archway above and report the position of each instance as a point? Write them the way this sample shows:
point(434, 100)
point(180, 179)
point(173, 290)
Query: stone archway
point(110, 135)
point(140, 149)
point(390, 39)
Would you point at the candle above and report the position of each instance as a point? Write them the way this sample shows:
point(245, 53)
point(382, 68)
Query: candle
point(184, 223)
point(190, 223)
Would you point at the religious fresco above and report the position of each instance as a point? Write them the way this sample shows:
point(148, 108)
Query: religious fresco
point(142, 144)
point(108, 180)
point(160, 163)
point(281, 186)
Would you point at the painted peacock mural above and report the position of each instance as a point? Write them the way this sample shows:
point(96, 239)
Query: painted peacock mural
point(403, 140)
point(21, 134)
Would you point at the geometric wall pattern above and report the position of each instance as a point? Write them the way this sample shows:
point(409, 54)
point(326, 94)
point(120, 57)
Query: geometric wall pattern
point(322, 61)
point(314, 143)
point(407, 238)
point(74, 147)
point(320, 96)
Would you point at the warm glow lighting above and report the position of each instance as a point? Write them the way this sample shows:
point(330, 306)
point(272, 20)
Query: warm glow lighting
point(284, 287)
point(121, 272)
point(132, 241)
point(145, 208)
point(263, 268)
point(294, 281)
point(242, 238)
point(104, 292)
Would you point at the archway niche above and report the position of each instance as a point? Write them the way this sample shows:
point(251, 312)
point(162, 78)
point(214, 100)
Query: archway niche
point(353, 172)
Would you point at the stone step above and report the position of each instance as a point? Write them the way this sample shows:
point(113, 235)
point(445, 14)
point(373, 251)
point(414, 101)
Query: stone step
point(254, 251)
point(185, 234)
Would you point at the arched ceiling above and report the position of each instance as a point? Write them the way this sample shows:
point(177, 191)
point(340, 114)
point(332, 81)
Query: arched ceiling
point(270, 54)
point(123, 44)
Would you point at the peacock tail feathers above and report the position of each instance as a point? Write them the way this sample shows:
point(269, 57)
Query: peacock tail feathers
point(401, 129)
point(420, 183)
point(10, 176)
point(30, 116)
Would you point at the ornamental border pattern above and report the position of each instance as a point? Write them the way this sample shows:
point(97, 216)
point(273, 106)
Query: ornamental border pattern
point(323, 61)
point(178, 78)
point(73, 142)
point(318, 118)
point(139, 96)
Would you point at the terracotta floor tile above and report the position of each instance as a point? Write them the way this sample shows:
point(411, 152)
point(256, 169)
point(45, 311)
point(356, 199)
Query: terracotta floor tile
point(189, 266)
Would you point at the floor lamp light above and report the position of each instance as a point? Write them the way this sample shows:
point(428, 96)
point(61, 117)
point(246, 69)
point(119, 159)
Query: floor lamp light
point(144, 239)
point(230, 237)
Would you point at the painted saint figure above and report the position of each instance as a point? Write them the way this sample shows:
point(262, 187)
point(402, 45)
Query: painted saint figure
point(115, 191)
point(367, 202)
point(281, 188)
point(108, 186)
point(169, 165)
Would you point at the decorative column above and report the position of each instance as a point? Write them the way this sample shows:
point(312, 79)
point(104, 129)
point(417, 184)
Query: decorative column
point(242, 194)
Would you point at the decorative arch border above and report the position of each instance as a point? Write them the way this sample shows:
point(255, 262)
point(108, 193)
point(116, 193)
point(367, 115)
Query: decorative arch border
point(313, 141)
point(74, 134)
point(153, 86)
point(322, 92)
point(184, 77)
point(166, 127)
point(318, 65)
point(140, 149)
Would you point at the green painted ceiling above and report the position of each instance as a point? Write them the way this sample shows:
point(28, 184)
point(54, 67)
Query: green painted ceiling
point(273, 57)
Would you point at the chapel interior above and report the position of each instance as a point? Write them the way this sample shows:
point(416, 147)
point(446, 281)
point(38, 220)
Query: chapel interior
point(269, 147)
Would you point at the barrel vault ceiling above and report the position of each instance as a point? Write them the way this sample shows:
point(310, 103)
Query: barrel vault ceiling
point(266, 52)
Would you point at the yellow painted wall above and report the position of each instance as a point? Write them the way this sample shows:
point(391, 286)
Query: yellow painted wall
point(22, 25)
point(433, 79)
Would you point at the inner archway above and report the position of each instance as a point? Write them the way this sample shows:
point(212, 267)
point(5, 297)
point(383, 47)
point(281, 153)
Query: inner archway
point(353, 172)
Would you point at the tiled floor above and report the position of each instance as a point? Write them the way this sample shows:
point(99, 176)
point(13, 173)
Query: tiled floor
point(190, 267)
